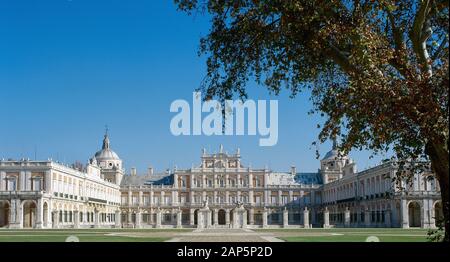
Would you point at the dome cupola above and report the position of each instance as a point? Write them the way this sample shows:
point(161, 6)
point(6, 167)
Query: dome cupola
point(106, 157)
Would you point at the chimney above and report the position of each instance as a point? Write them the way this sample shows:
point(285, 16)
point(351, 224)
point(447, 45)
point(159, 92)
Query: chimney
point(133, 171)
point(150, 171)
point(293, 170)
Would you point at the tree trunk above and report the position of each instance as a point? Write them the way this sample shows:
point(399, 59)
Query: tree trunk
point(438, 153)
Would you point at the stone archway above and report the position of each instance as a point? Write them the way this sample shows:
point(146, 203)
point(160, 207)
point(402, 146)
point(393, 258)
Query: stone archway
point(4, 213)
point(196, 217)
point(29, 214)
point(414, 214)
point(438, 214)
point(222, 217)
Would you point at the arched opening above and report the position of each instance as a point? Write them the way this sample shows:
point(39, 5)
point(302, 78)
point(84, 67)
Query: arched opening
point(222, 217)
point(438, 214)
point(231, 217)
point(196, 217)
point(4, 213)
point(45, 213)
point(414, 214)
point(29, 214)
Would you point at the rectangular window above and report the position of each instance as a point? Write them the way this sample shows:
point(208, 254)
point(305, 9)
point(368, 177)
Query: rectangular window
point(12, 184)
point(36, 186)
point(273, 200)
point(135, 200)
point(258, 200)
point(167, 200)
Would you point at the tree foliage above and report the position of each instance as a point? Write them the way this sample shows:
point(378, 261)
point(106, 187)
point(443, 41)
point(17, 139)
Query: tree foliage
point(378, 69)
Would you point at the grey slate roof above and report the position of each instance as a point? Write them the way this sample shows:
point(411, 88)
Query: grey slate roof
point(167, 179)
point(146, 180)
point(308, 178)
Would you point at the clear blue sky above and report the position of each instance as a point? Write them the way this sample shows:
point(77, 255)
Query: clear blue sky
point(69, 67)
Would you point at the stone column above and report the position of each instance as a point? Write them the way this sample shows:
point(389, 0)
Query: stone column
point(250, 197)
point(76, 219)
point(130, 217)
point(140, 198)
point(404, 214)
point(56, 219)
point(280, 194)
point(118, 219)
point(3, 181)
point(138, 219)
point(151, 212)
point(174, 198)
point(179, 216)
point(48, 181)
point(285, 218)
point(252, 216)
point(266, 195)
point(387, 218)
point(426, 213)
point(326, 218)
point(227, 217)
point(347, 217)
point(192, 217)
point(162, 198)
point(19, 219)
point(39, 213)
point(204, 196)
point(158, 218)
point(151, 197)
point(216, 217)
point(264, 218)
point(96, 218)
point(306, 218)
point(85, 214)
point(28, 180)
point(367, 217)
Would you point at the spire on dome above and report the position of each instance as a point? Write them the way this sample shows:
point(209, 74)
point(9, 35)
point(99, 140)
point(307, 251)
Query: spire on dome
point(106, 143)
point(335, 145)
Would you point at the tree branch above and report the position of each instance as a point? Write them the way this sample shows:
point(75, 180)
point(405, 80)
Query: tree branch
point(419, 35)
point(400, 61)
point(341, 59)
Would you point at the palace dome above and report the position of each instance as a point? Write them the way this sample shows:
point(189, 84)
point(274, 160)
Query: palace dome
point(334, 153)
point(106, 153)
point(331, 155)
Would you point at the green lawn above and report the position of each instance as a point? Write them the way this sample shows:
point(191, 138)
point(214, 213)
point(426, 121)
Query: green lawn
point(349, 234)
point(88, 235)
point(90, 238)
point(160, 235)
point(355, 238)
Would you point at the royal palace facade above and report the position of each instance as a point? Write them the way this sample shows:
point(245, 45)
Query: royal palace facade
point(221, 192)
